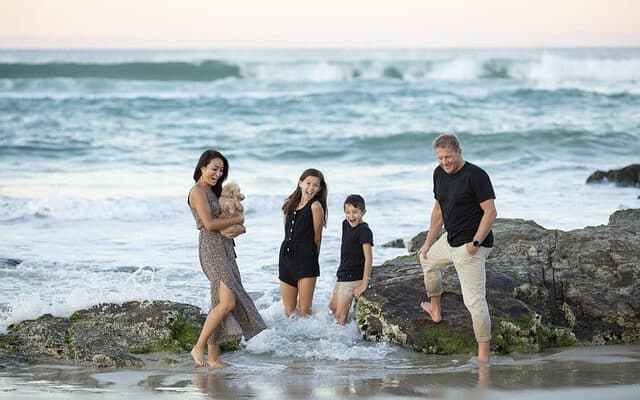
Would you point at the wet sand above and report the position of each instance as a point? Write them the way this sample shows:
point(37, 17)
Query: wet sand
point(611, 372)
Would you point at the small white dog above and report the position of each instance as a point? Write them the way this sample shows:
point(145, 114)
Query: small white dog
point(231, 206)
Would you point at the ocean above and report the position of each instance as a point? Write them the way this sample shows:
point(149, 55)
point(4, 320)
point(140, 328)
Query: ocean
point(97, 150)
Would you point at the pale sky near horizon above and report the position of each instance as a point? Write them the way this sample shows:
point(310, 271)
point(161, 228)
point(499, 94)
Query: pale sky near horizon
point(317, 24)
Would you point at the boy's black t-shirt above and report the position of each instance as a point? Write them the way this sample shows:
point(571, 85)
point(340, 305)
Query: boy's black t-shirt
point(351, 254)
point(460, 195)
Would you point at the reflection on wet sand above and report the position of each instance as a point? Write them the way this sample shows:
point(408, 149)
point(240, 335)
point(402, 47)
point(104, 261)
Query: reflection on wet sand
point(218, 385)
point(575, 373)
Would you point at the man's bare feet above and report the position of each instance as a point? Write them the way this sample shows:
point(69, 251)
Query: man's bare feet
point(428, 308)
point(217, 363)
point(480, 362)
point(483, 376)
point(198, 357)
point(483, 354)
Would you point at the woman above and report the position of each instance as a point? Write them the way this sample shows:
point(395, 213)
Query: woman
point(304, 216)
point(232, 313)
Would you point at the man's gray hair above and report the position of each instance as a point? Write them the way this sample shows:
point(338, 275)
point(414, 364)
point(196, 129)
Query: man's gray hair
point(447, 140)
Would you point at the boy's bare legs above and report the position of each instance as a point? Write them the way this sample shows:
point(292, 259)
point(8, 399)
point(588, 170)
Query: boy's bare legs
point(306, 286)
point(432, 308)
point(332, 303)
point(343, 305)
point(227, 302)
point(289, 297)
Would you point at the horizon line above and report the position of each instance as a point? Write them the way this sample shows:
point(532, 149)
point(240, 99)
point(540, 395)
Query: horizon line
point(312, 48)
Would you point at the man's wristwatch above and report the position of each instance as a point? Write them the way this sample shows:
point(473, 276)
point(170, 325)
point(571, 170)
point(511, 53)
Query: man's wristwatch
point(476, 243)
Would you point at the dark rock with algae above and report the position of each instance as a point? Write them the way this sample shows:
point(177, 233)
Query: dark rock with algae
point(106, 335)
point(545, 288)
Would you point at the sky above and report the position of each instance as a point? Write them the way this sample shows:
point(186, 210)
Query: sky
point(318, 23)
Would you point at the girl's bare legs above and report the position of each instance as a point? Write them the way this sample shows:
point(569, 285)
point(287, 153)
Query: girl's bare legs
point(289, 297)
point(306, 286)
point(227, 302)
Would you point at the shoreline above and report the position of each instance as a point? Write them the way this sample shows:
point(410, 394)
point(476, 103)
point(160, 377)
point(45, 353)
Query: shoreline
point(574, 373)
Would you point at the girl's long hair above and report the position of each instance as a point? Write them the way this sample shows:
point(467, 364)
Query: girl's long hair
point(204, 160)
point(293, 200)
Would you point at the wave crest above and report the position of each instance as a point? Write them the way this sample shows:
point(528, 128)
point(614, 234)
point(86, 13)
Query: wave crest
point(544, 68)
point(208, 70)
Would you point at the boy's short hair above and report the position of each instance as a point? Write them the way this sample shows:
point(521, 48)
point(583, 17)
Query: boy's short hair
point(355, 200)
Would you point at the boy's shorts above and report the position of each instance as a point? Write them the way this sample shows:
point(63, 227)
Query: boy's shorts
point(345, 289)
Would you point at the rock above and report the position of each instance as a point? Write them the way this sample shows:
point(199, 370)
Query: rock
point(418, 240)
point(627, 176)
point(9, 263)
point(117, 360)
point(545, 288)
point(397, 244)
point(107, 335)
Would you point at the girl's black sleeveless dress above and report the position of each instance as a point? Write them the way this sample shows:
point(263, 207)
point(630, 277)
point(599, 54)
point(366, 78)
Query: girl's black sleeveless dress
point(298, 252)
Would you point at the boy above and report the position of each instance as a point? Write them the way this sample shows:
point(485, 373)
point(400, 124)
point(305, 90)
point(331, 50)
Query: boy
point(355, 258)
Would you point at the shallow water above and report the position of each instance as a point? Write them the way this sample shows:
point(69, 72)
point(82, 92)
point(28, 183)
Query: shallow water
point(575, 373)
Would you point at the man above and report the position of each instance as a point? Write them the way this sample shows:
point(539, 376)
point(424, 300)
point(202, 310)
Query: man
point(464, 202)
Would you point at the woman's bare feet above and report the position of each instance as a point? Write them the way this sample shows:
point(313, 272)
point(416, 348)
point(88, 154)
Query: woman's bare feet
point(428, 308)
point(198, 357)
point(217, 363)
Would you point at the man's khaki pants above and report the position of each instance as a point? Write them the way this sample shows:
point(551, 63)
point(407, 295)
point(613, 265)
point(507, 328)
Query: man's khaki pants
point(470, 270)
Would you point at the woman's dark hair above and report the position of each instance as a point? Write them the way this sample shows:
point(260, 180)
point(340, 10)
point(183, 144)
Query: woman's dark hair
point(204, 160)
point(293, 200)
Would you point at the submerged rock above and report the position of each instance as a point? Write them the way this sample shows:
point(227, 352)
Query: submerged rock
point(416, 242)
point(107, 335)
point(627, 176)
point(9, 263)
point(545, 288)
point(397, 244)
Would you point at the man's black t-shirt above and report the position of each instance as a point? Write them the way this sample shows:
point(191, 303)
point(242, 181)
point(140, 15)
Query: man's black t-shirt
point(351, 254)
point(460, 195)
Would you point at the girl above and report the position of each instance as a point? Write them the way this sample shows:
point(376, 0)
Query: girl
point(232, 314)
point(305, 214)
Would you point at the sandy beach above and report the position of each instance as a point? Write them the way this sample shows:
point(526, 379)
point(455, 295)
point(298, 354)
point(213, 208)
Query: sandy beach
point(572, 373)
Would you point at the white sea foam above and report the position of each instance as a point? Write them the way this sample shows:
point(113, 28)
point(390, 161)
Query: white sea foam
point(552, 68)
point(314, 72)
point(78, 209)
point(456, 69)
point(547, 68)
point(315, 337)
point(61, 289)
